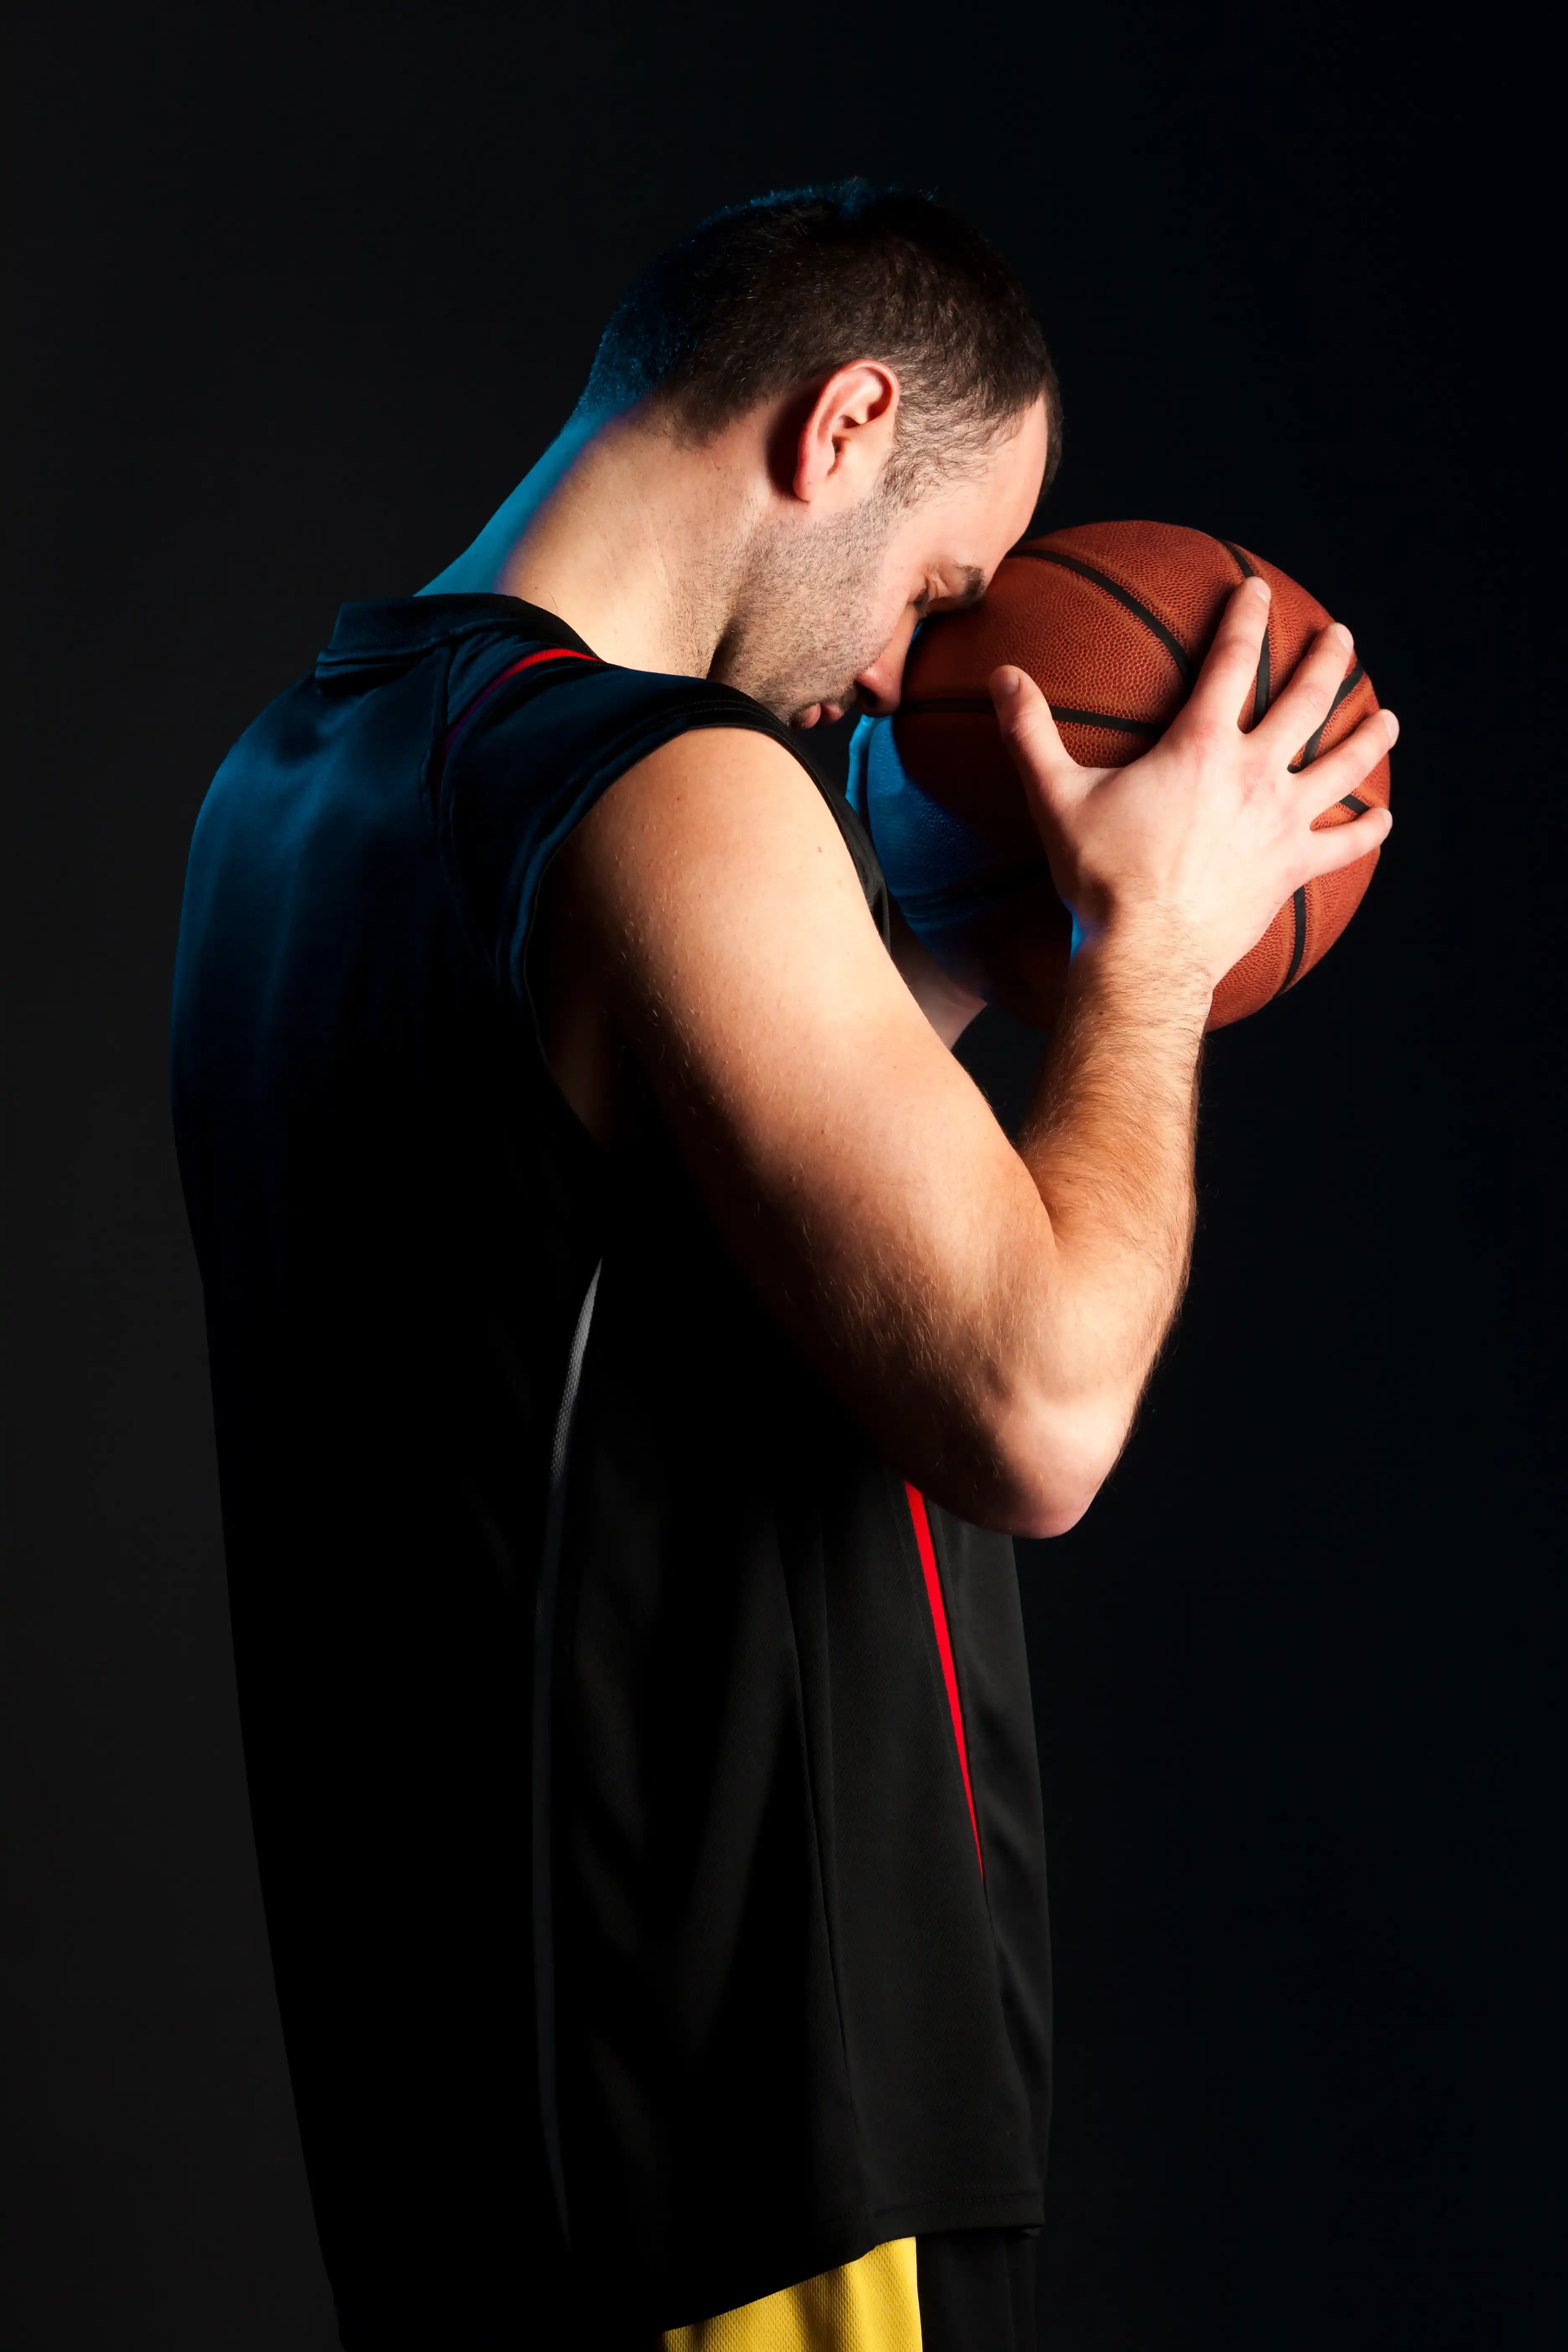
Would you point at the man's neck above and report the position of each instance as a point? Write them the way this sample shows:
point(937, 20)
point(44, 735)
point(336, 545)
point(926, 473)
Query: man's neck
point(634, 542)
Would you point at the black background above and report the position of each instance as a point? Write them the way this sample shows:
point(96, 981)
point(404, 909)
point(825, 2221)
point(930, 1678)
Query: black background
point(300, 292)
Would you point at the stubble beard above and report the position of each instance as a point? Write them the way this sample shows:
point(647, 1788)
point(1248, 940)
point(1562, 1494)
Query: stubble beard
point(804, 623)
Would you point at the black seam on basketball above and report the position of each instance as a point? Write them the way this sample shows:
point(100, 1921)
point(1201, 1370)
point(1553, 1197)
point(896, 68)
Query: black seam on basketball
point(1299, 946)
point(1260, 692)
point(1354, 802)
point(1071, 718)
point(1260, 688)
point(1310, 750)
point(1150, 621)
point(1059, 712)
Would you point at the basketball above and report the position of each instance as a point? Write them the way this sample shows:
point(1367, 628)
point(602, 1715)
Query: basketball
point(1112, 619)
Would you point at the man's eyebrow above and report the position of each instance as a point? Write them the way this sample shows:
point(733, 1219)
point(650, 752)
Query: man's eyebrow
point(973, 587)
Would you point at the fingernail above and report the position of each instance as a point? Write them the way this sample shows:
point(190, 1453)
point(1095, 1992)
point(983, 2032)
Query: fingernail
point(1339, 631)
point(1392, 724)
point(1260, 587)
point(1007, 684)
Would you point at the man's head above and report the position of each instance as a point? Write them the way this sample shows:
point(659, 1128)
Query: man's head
point(889, 370)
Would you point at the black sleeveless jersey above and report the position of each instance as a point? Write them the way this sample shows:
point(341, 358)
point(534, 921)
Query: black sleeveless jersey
point(643, 1778)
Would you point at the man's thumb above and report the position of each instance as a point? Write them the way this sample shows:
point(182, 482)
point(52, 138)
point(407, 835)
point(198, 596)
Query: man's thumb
point(1028, 728)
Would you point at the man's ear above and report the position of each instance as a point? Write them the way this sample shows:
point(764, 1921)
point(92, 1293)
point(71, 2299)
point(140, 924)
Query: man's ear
point(848, 434)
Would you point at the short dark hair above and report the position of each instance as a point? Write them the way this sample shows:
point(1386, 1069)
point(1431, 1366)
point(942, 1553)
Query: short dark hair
point(772, 293)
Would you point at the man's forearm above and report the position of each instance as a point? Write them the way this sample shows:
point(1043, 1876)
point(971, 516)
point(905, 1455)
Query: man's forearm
point(1109, 1142)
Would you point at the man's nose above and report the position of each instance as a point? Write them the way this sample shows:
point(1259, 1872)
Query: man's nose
point(880, 683)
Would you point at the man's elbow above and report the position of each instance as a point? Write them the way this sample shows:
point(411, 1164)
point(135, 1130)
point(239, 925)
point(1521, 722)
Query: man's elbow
point(1051, 1461)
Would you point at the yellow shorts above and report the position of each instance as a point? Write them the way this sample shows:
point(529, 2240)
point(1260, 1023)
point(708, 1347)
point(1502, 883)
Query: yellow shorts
point(871, 2305)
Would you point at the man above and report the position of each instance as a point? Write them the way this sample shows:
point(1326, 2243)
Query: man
point(634, 1341)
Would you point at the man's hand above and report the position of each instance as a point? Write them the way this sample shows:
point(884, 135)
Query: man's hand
point(1210, 830)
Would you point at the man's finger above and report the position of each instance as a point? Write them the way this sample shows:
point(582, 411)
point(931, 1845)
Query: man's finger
point(1344, 845)
point(1334, 774)
point(1029, 731)
point(1231, 665)
point(1307, 698)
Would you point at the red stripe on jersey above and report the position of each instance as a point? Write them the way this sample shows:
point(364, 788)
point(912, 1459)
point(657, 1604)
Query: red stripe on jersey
point(550, 653)
point(944, 1646)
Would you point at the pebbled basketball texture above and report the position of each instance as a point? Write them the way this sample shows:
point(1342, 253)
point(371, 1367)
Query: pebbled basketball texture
point(1112, 619)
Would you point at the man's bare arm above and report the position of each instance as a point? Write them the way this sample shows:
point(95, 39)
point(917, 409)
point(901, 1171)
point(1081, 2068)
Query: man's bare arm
point(848, 1162)
point(988, 1315)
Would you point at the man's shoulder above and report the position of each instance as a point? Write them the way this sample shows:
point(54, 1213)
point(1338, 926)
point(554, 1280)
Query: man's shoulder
point(607, 755)
point(736, 800)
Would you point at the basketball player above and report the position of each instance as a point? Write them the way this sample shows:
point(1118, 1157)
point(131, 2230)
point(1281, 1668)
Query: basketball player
point(635, 1343)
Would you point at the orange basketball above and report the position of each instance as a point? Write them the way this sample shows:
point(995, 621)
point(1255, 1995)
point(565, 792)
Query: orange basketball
point(1113, 620)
